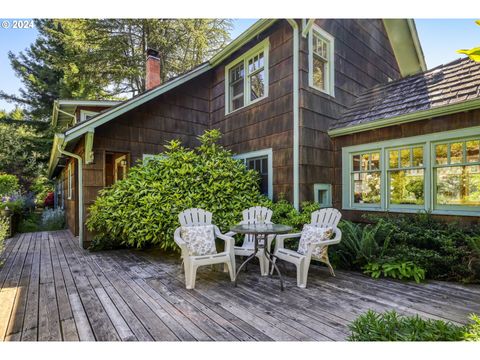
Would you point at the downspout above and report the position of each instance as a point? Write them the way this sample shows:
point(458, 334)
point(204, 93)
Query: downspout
point(80, 188)
point(296, 126)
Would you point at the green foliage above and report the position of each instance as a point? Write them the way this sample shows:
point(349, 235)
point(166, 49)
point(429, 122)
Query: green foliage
point(390, 326)
point(473, 53)
point(472, 331)
point(361, 244)
point(445, 250)
point(4, 231)
point(48, 220)
point(405, 270)
point(105, 58)
point(24, 151)
point(142, 210)
point(285, 213)
point(8, 184)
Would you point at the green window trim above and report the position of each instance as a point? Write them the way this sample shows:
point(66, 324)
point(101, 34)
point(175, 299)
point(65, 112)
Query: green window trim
point(428, 143)
point(325, 201)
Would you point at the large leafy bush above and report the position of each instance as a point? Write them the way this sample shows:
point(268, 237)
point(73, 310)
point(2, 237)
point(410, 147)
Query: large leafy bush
point(390, 326)
point(8, 184)
point(142, 210)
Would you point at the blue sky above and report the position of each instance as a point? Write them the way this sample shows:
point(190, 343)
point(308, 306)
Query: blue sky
point(440, 38)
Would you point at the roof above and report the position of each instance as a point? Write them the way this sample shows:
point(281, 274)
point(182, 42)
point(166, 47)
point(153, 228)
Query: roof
point(410, 38)
point(64, 109)
point(441, 90)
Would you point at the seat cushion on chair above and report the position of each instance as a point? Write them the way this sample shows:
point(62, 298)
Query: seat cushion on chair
point(313, 234)
point(200, 239)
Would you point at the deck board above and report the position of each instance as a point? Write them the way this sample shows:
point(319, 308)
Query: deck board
point(51, 289)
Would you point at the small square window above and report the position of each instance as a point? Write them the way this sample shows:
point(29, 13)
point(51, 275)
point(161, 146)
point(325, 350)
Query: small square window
point(323, 194)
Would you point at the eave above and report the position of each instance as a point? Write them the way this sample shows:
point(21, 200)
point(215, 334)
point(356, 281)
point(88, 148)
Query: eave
point(403, 37)
point(402, 119)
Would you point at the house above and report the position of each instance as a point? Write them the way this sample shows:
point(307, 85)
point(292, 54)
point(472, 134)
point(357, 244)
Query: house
point(316, 106)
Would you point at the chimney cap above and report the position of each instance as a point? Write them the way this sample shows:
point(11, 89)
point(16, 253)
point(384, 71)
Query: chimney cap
point(152, 52)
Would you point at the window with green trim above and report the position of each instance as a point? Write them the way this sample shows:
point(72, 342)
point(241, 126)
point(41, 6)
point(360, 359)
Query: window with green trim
point(457, 173)
point(366, 178)
point(406, 176)
point(438, 172)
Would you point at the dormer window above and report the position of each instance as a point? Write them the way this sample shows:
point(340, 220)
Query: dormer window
point(246, 78)
point(321, 61)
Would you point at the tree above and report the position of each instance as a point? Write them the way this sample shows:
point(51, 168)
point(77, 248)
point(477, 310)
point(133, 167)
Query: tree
point(105, 58)
point(473, 53)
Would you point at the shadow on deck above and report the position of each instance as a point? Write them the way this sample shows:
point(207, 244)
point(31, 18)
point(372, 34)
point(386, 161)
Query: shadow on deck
point(53, 290)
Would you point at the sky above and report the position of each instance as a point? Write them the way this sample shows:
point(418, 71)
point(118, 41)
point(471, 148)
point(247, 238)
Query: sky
point(440, 38)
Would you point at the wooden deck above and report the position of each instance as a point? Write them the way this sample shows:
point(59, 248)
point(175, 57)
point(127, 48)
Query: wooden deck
point(53, 290)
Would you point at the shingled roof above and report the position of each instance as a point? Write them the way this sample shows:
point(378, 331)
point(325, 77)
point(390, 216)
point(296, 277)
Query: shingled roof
point(449, 84)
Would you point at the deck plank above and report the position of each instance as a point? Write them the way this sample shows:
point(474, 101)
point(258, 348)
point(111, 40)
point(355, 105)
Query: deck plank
point(51, 289)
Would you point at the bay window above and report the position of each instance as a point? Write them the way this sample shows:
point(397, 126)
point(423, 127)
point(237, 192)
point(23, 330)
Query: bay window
point(438, 172)
point(246, 78)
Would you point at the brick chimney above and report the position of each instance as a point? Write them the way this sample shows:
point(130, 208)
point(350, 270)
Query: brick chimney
point(153, 69)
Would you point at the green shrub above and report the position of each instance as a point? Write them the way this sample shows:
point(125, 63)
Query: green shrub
point(472, 330)
point(361, 244)
point(143, 209)
point(8, 184)
point(4, 232)
point(405, 270)
point(442, 249)
point(390, 326)
point(30, 223)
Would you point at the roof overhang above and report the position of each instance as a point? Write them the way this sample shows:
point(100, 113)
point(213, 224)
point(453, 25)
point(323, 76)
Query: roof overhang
point(402, 119)
point(64, 110)
point(403, 37)
point(254, 30)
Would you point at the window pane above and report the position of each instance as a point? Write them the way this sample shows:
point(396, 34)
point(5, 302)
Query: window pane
point(375, 161)
point(458, 185)
point(257, 85)
point(405, 158)
point(366, 187)
point(406, 187)
point(237, 103)
point(236, 87)
point(255, 63)
point(441, 154)
point(393, 159)
point(365, 158)
point(319, 68)
point(456, 153)
point(260, 165)
point(473, 154)
point(418, 156)
point(356, 162)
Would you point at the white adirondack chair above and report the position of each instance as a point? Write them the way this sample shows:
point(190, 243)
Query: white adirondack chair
point(250, 217)
point(197, 217)
point(322, 218)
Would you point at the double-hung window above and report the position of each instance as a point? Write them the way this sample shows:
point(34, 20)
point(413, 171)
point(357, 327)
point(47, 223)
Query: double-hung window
point(321, 61)
point(70, 181)
point(438, 172)
point(247, 78)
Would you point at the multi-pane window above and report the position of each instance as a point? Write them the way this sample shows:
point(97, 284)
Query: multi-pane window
point(438, 173)
point(247, 78)
point(260, 164)
point(457, 173)
point(366, 178)
point(406, 176)
point(321, 61)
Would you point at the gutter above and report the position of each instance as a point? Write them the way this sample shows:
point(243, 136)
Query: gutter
point(296, 126)
point(402, 119)
point(60, 148)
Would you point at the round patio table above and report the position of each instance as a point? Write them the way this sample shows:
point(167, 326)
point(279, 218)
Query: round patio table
point(261, 230)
